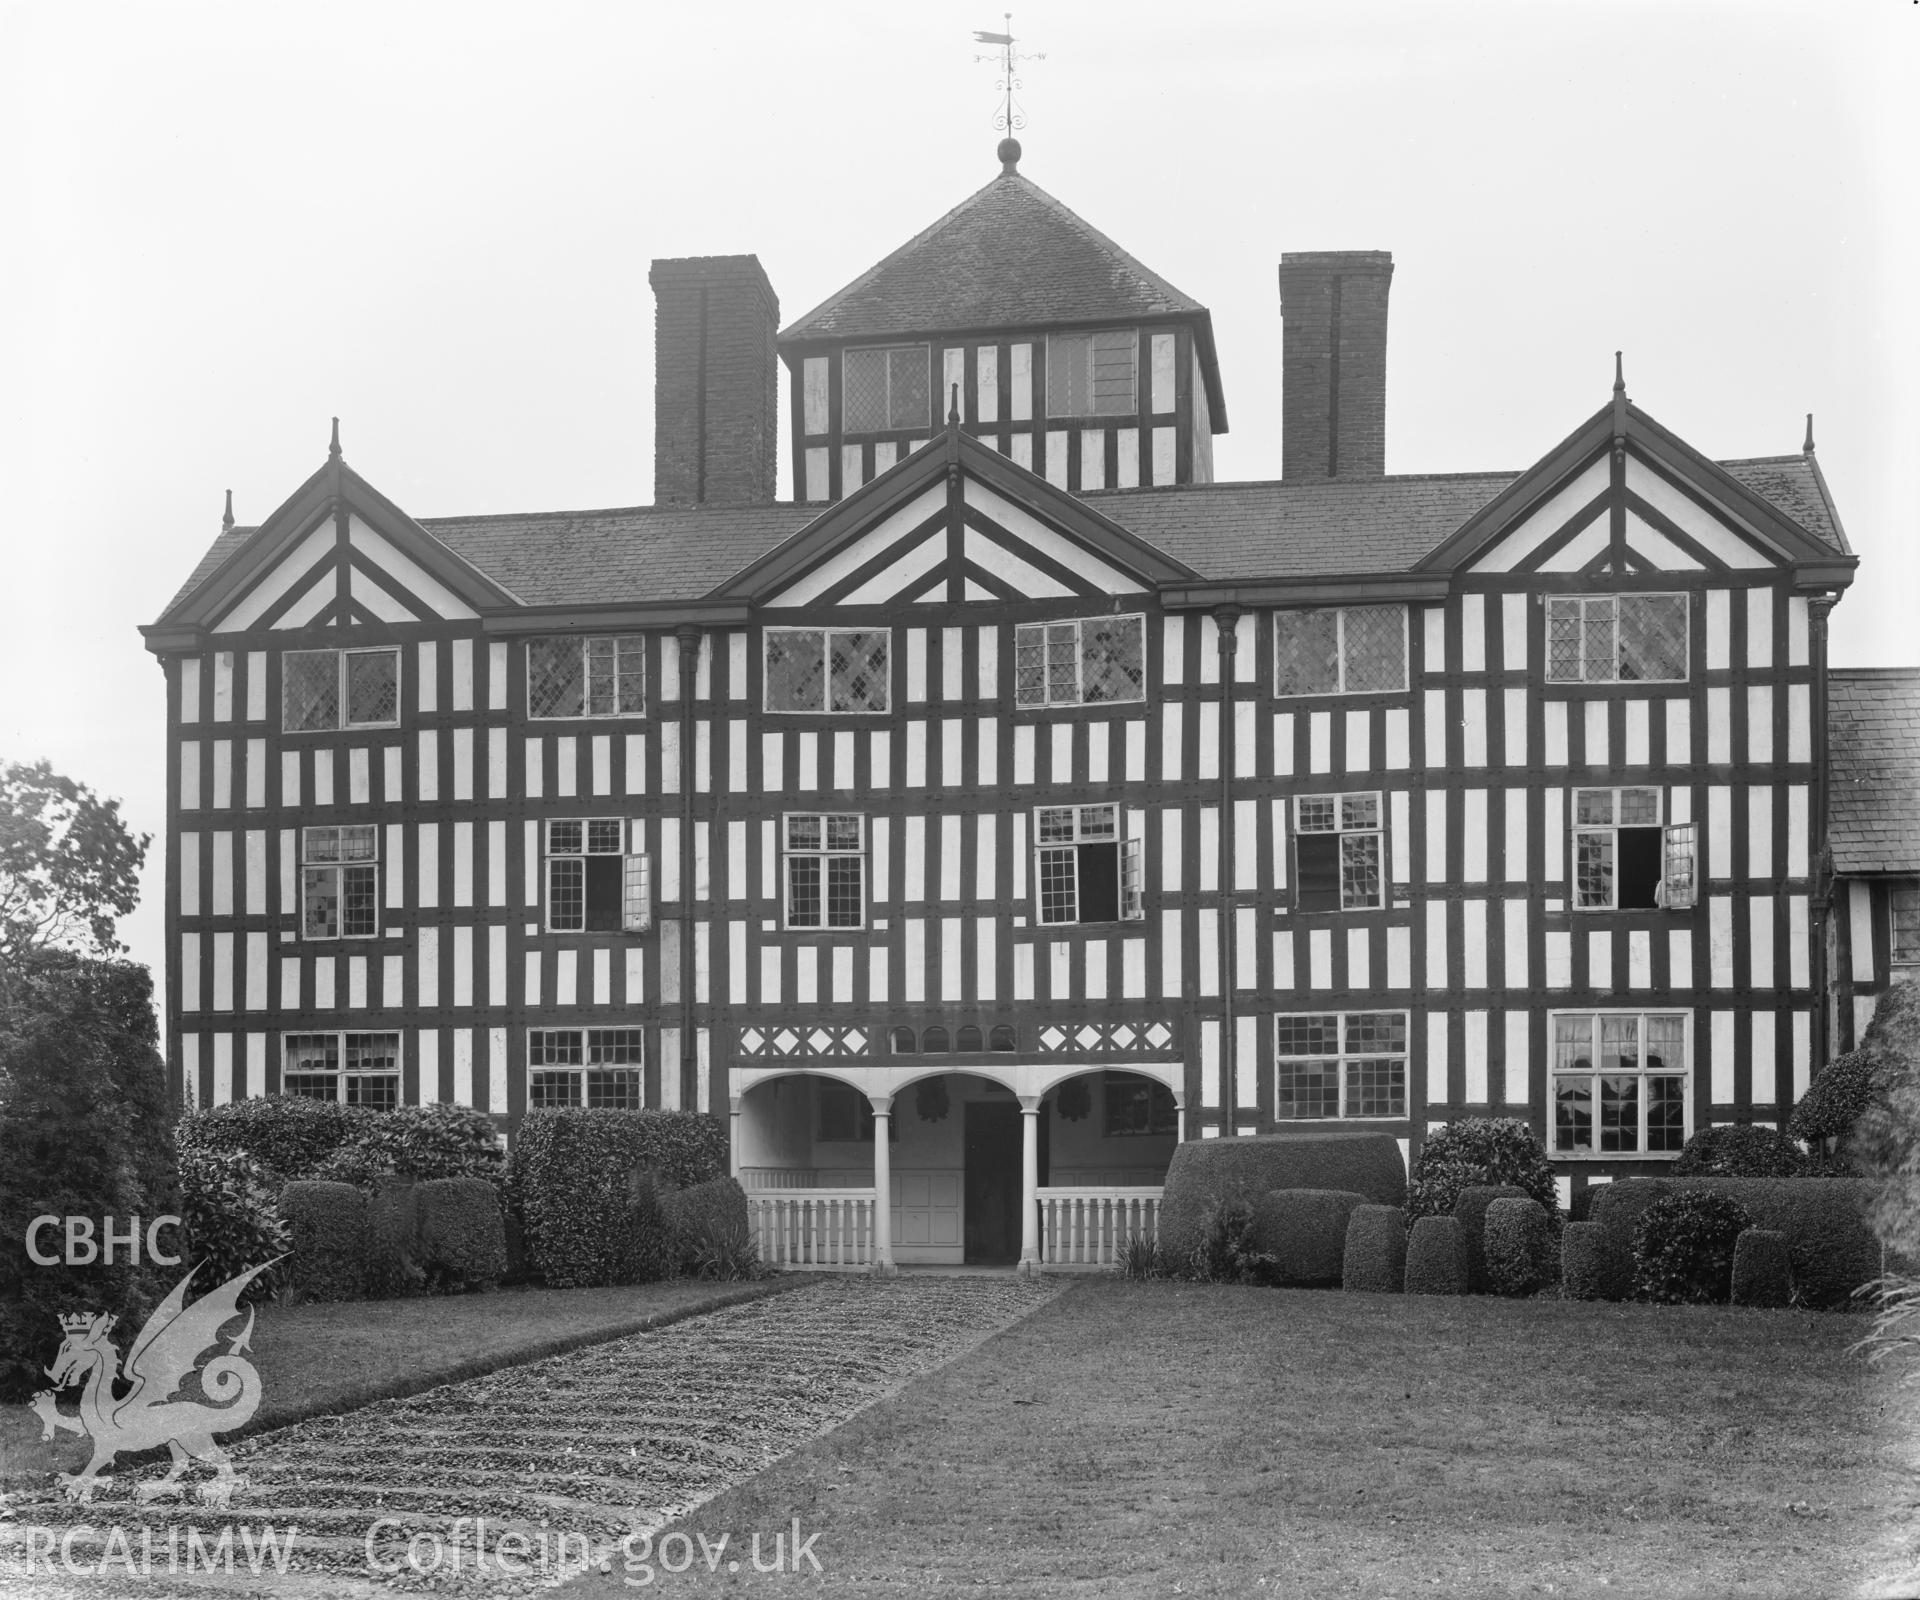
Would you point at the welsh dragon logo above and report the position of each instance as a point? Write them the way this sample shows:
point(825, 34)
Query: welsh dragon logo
point(147, 1416)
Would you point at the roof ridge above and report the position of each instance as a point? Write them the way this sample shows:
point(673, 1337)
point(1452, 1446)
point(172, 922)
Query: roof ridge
point(1874, 672)
point(616, 511)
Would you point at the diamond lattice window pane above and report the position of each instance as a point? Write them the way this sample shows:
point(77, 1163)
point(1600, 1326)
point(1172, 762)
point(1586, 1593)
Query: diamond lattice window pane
point(1306, 652)
point(1030, 664)
point(1653, 637)
point(796, 670)
point(556, 678)
point(373, 687)
point(908, 386)
point(1113, 662)
point(1597, 640)
point(309, 690)
point(1376, 649)
point(859, 671)
point(1563, 641)
point(865, 383)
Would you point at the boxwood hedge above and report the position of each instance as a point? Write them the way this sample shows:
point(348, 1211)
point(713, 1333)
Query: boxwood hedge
point(1762, 1269)
point(463, 1243)
point(707, 1211)
point(1740, 1150)
point(1305, 1232)
point(288, 1134)
point(1206, 1173)
point(327, 1226)
point(1433, 1257)
point(1374, 1257)
point(1470, 1206)
point(1586, 1271)
point(1518, 1247)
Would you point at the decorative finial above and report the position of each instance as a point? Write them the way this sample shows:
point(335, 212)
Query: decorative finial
point(226, 522)
point(1009, 153)
point(1619, 374)
point(953, 409)
point(334, 448)
point(1011, 117)
point(1808, 446)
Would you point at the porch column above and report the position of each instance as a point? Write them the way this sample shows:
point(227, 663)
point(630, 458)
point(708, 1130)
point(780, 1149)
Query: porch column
point(883, 1266)
point(733, 1137)
point(1029, 1185)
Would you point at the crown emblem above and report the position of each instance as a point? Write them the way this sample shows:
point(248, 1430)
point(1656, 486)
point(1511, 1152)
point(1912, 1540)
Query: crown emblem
point(80, 1321)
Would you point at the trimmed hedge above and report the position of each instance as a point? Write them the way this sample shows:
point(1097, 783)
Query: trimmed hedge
point(1683, 1247)
point(710, 1210)
point(462, 1240)
point(1304, 1231)
point(1479, 1150)
point(1205, 1173)
point(419, 1142)
point(327, 1223)
point(1839, 1093)
point(1829, 1237)
point(1762, 1269)
point(1518, 1254)
point(1740, 1150)
point(1374, 1257)
point(1433, 1257)
point(1586, 1271)
point(393, 1269)
point(587, 1183)
point(288, 1134)
point(1885, 1143)
point(230, 1215)
point(1470, 1206)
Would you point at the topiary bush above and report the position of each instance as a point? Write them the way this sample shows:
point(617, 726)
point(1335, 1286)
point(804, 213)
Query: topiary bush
point(1303, 1232)
point(1475, 1151)
point(1740, 1150)
point(1470, 1206)
point(1433, 1257)
point(327, 1227)
point(1683, 1248)
point(1586, 1268)
point(288, 1134)
point(1885, 1143)
point(1519, 1247)
point(703, 1212)
point(462, 1240)
point(1834, 1101)
point(1374, 1257)
point(1762, 1269)
point(420, 1142)
point(393, 1270)
point(230, 1217)
point(1204, 1173)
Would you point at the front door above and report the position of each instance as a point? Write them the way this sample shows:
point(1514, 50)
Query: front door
point(993, 1182)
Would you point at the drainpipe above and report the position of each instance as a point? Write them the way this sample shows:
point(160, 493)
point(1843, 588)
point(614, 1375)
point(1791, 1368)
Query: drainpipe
point(1227, 620)
point(1821, 897)
point(690, 638)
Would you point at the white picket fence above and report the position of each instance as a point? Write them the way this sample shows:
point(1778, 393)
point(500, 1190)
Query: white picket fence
point(798, 1228)
point(1090, 1227)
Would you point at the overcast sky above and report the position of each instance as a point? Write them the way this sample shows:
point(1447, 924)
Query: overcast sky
point(226, 224)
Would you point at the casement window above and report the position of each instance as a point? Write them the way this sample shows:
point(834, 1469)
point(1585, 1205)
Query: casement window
point(354, 1069)
point(1340, 650)
point(1093, 374)
point(1340, 1064)
point(827, 669)
point(594, 1067)
point(1084, 661)
point(846, 1116)
point(885, 388)
point(1084, 870)
point(340, 882)
point(1134, 1105)
point(1339, 852)
point(1903, 905)
point(1617, 638)
point(825, 866)
point(599, 879)
point(1619, 1082)
point(325, 689)
point(601, 676)
point(1624, 859)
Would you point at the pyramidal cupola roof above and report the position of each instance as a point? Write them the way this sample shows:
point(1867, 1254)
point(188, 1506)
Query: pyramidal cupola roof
point(1008, 256)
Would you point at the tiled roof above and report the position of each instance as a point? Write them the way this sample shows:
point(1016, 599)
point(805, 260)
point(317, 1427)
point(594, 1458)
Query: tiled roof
point(1873, 742)
point(1009, 256)
point(1793, 484)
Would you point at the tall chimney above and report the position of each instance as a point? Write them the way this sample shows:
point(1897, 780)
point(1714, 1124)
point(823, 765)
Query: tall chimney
point(1334, 363)
point(715, 404)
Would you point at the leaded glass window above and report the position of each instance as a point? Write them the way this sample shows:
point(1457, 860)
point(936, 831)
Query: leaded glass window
point(340, 882)
point(326, 689)
point(355, 1069)
point(1340, 1064)
point(1619, 1082)
point(599, 676)
point(1085, 870)
point(1093, 374)
point(885, 388)
point(1617, 638)
point(1904, 909)
point(1339, 852)
point(1082, 661)
point(827, 669)
point(826, 870)
point(1340, 650)
point(599, 880)
point(599, 1068)
point(1625, 859)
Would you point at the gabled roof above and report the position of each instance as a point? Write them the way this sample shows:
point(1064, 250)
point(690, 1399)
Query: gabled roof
point(1873, 742)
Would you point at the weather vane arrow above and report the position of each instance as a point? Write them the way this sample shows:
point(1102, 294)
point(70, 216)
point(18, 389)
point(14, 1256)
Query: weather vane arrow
point(1012, 115)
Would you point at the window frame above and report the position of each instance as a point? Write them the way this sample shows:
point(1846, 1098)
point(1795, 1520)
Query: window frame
point(1595, 1072)
point(1340, 650)
point(923, 423)
point(1554, 676)
point(1679, 841)
point(581, 1072)
point(1089, 335)
point(636, 874)
point(1047, 701)
point(1129, 865)
point(1341, 1057)
point(339, 1072)
point(826, 708)
point(1378, 831)
point(586, 642)
point(790, 853)
point(1163, 1114)
point(1896, 955)
point(343, 703)
point(338, 867)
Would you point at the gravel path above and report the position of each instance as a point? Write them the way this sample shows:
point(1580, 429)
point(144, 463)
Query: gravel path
point(605, 1442)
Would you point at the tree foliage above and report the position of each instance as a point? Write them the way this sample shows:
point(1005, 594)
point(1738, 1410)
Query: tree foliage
point(69, 866)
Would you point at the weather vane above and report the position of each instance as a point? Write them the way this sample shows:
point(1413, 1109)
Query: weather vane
point(1011, 118)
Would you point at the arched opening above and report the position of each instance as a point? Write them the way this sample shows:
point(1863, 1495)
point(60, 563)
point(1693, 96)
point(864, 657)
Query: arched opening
point(1110, 1128)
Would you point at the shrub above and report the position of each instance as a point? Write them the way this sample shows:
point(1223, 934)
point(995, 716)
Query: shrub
point(1762, 1269)
point(1374, 1257)
point(1839, 1093)
point(1433, 1257)
point(1740, 1150)
point(1470, 1206)
point(1226, 1252)
point(1518, 1248)
point(1480, 1150)
point(420, 1142)
point(463, 1243)
point(1586, 1270)
point(327, 1224)
point(705, 1211)
point(1885, 1142)
point(230, 1215)
point(288, 1134)
point(1206, 1172)
point(1303, 1232)
point(393, 1269)
point(1683, 1248)
point(1829, 1236)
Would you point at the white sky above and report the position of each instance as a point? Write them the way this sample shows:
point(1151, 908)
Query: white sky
point(224, 224)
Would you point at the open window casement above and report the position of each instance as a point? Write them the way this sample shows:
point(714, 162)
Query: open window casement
point(1088, 865)
point(637, 886)
point(1679, 875)
point(1132, 879)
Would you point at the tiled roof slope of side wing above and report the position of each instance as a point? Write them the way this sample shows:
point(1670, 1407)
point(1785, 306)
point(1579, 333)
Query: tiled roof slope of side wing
point(1873, 740)
point(1008, 256)
point(1793, 484)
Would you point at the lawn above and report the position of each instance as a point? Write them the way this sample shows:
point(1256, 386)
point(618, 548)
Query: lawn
point(1170, 1438)
point(317, 1359)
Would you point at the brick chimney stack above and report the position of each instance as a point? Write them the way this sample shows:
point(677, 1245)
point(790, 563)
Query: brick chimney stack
point(715, 404)
point(1334, 363)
